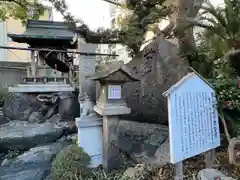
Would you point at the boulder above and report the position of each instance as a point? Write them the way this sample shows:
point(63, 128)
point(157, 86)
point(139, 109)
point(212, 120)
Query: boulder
point(54, 119)
point(19, 106)
point(36, 117)
point(212, 174)
point(32, 164)
point(48, 177)
point(132, 172)
point(68, 106)
point(159, 67)
point(25, 172)
point(142, 141)
point(23, 135)
point(3, 119)
point(37, 154)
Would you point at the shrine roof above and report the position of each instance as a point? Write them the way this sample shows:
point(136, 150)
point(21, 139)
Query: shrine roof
point(191, 73)
point(44, 30)
point(111, 69)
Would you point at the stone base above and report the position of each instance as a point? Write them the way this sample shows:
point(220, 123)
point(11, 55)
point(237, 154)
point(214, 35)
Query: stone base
point(210, 174)
point(111, 109)
point(90, 138)
point(27, 88)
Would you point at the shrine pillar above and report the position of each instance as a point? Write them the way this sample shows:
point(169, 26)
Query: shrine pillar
point(33, 64)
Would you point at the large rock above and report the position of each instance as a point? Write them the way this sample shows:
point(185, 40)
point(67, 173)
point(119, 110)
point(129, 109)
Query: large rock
point(68, 106)
point(22, 135)
point(36, 117)
point(142, 141)
point(212, 174)
point(19, 106)
point(37, 154)
point(3, 119)
point(34, 164)
point(25, 172)
point(159, 67)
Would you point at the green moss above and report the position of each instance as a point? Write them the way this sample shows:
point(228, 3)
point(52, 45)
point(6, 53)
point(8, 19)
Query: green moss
point(72, 162)
point(12, 154)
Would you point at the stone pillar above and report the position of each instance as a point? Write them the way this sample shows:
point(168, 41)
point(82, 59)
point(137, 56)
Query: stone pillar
point(110, 142)
point(110, 113)
point(87, 66)
point(33, 64)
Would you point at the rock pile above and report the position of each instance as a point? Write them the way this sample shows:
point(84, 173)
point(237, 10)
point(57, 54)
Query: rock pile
point(23, 129)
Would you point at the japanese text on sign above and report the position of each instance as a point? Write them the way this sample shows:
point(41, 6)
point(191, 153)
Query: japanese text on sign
point(114, 92)
point(193, 123)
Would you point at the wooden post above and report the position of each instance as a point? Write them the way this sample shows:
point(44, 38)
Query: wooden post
point(178, 171)
point(210, 158)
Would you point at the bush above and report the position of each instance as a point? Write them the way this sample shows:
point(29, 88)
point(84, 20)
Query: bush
point(100, 174)
point(71, 163)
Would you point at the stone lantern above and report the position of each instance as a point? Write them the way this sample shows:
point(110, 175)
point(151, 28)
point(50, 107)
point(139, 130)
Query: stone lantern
point(110, 105)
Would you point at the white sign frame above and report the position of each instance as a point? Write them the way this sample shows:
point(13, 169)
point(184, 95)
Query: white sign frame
point(114, 92)
point(194, 102)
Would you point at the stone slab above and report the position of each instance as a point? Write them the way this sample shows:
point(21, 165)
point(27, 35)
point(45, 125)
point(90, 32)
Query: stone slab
point(41, 88)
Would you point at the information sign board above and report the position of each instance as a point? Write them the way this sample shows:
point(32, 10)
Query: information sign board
point(193, 119)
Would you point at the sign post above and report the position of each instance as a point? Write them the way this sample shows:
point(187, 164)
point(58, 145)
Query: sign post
point(193, 120)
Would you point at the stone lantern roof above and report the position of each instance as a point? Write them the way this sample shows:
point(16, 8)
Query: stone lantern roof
point(115, 73)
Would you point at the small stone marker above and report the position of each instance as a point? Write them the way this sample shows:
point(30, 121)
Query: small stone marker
point(212, 174)
point(193, 120)
point(110, 105)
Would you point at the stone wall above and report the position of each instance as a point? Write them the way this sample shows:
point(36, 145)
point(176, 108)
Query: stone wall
point(12, 72)
point(159, 66)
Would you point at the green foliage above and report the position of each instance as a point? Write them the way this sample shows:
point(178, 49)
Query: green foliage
point(72, 162)
point(100, 174)
point(19, 9)
point(142, 14)
point(221, 35)
point(132, 28)
point(223, 22)
point(61, 6)
point(221, 75)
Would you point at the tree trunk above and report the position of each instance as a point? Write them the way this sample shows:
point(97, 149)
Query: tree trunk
point(186, 40)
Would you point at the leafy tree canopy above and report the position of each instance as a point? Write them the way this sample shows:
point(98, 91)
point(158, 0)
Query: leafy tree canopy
point(223, 22)
point(18, 9)
point(140, 15)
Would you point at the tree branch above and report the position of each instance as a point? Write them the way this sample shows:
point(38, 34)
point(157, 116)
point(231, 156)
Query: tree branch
point(20, 3)
point(114, 3)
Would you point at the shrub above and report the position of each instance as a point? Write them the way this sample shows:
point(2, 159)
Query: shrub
point(100, 174)
point(71, 163)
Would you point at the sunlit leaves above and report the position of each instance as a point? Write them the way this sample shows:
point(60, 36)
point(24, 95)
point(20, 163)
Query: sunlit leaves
point(221, 21)
point(19, 9)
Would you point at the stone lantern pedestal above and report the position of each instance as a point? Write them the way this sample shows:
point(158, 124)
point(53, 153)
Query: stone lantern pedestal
point(90, 138)
point(110, 113)
point(110, 105)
